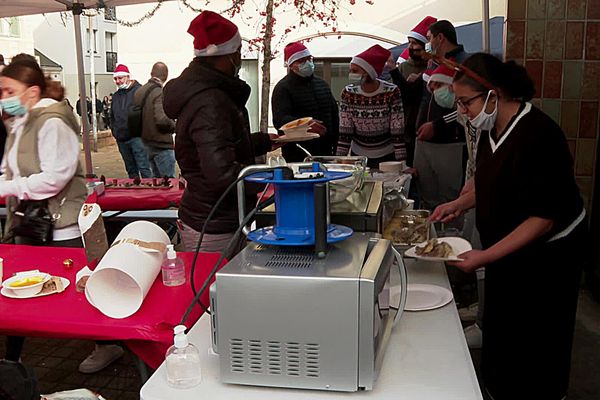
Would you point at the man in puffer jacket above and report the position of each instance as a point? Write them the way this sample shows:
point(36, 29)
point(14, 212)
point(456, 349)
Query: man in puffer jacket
point(131, 148)
point(213, 142)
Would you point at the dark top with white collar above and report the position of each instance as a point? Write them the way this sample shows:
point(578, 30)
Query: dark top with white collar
point(526, 172)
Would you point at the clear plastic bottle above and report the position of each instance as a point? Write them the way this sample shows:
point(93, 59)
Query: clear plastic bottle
point(173, 268)
point(183, 362)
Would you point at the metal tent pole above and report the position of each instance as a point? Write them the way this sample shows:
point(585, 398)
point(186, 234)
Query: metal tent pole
point(485, 25)
point(90, 16)
point(77, 11)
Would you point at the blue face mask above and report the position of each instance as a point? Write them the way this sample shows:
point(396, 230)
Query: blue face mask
point(13, 106)
point(444, 97)
point(306, 69)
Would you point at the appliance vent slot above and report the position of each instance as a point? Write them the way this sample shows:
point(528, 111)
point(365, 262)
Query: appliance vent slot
point(255, 357)
point(312, 355)
point(237, 355)
point(292, 258)
point(274, 358)
point(292, 359)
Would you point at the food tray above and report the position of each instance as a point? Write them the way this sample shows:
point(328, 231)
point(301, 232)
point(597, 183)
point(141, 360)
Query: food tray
point(399, 229)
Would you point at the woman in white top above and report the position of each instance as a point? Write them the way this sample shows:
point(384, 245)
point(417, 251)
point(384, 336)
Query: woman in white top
point(41, 167)
point(41, 162)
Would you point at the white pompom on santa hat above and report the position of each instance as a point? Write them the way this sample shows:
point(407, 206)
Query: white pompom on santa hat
point(214, 35)
point(442, 74)
point(372, 60)
point(419, 32)
point(403, 56)
point(121, 70)
point(293, 52)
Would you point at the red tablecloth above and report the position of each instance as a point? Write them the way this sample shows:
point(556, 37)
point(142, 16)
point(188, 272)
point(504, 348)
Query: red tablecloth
point(148, 333)
point(114, 199)
point(134, 199)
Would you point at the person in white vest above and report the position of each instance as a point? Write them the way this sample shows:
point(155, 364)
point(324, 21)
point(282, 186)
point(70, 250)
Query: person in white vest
point(42, 171)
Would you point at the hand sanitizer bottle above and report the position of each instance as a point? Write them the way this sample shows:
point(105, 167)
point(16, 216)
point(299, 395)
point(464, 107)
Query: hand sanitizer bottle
point(173, 269)
point(183, 362)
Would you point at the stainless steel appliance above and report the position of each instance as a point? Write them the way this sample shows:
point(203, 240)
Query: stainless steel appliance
point(283, 317)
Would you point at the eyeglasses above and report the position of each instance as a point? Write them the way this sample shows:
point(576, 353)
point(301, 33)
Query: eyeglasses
point(464, 104)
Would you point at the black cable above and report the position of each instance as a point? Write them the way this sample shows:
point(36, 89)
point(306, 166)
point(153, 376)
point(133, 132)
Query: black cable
point(226, 252)
point(203, 231)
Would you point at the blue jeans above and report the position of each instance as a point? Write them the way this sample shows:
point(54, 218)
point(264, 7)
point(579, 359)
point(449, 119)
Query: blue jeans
point(135, 158)
point(162, 161)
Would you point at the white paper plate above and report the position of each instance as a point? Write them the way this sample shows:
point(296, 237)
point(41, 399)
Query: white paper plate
point(286, 139)
point(421, 297)
point(458, 244)
point(9, 293)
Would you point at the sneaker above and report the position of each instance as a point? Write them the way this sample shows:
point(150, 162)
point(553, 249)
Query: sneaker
point(469, 314)
point(474, 336)
point(100, 358)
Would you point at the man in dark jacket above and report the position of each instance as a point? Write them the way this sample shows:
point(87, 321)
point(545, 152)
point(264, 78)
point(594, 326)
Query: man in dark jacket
point(131, 148)
point(157, 128)
point(443, 42)
point(89, 107)
point(213, 142)
point(301, 94)
point(407, 76)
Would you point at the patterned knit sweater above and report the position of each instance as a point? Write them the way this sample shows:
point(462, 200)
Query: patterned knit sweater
point(372, 124)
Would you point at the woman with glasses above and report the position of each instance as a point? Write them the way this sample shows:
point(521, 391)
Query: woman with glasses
point(531, 220)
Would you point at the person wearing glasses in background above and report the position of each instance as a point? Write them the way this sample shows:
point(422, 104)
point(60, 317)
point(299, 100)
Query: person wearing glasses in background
point(302, 94)
point(532, 237)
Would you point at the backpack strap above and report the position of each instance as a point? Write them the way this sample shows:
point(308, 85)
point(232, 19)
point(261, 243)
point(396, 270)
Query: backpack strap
point(148, 94)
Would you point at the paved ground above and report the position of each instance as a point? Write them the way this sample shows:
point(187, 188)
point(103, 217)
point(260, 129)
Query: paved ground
point(55, 361)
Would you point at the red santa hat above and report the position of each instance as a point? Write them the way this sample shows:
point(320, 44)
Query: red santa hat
point(214, 35)
point(372, 60)
point(419, 32)
point(121, 70)
point(403, 56)
point(293, 52)
point(442, 74)
point(427, 74)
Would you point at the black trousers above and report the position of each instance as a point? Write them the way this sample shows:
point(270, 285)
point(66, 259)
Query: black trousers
point(14, 344)
point(529, 318)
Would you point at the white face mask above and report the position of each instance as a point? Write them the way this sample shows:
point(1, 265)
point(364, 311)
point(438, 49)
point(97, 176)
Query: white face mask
point(483, 120)
point(355, 79)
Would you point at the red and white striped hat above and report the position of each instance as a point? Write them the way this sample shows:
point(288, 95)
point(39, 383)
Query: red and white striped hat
point(121, 70)
point(419, 32)
point(214, 35)
point(293, 52)
point(372, 60)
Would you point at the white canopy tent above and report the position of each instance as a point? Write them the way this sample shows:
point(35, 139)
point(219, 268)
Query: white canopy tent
point(15, 8)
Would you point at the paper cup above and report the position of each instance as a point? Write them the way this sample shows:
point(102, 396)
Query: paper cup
point(122, 279)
